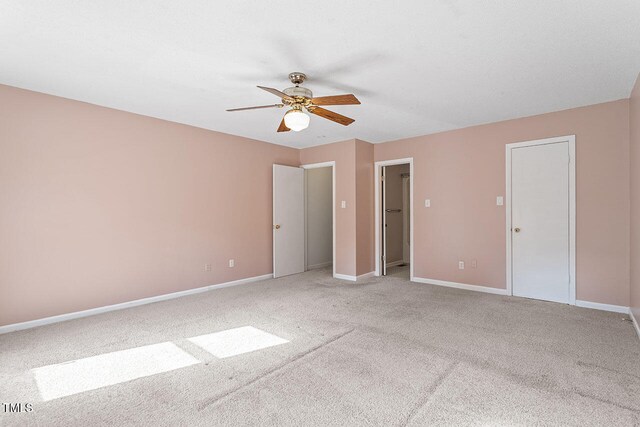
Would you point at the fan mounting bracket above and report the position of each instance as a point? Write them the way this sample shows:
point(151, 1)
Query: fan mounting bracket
point(297, 77)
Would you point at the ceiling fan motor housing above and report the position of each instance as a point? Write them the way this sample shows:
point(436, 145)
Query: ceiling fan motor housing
point(298, 91)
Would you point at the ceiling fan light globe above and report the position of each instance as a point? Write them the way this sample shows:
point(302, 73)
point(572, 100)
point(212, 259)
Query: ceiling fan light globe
point(296, 120)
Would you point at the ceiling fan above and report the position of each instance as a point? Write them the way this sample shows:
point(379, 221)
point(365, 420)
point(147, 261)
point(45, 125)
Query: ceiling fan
point(301, 99)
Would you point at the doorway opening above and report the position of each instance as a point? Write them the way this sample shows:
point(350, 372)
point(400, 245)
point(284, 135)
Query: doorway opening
point(394, 218)
point(304, 218)
point(319, 208)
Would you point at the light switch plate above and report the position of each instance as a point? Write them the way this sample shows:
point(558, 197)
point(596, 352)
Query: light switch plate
point(427, 203)
point(499, 201)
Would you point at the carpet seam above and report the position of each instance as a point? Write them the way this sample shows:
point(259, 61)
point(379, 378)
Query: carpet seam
point(272, 371)
point(429, 393)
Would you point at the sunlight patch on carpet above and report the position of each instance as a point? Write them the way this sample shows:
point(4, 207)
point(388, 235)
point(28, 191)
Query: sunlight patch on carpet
point(233, 342)
point(77, 376)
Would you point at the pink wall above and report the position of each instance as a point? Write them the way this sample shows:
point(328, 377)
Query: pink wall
point(344, 154)
point(463, 171)
point(99, 206)
point(634, 137)
point(354, 184)
point(365, 208)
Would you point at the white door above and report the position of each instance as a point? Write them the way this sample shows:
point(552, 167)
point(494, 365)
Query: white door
point(540, 224)
point(288, 220)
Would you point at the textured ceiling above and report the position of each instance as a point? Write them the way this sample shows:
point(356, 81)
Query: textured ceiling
point(418, 67)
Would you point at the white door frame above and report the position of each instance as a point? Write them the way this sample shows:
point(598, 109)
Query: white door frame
point(332, 165)
point(383, 220)
point(571, 140)
point(406, 241)
point(378, 204)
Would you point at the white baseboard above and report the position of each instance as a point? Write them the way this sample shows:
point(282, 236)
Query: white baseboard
point(395, 263)
point(635, 322)
point(476, 288)
point(317, 266)
point(354, 278)
point(98, 310)
point(345, 277)
point(603, 307)
point(490, 290)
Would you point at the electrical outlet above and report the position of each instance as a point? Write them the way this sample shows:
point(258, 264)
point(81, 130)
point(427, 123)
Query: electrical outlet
point(461, 265)
point(207, 267)
point(343, 204)
point(427, 203)
point(232, 263)
point(474, 263)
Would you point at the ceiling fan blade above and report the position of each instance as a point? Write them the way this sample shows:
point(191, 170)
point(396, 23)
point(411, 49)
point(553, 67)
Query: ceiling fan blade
point(336, 100)
point(330, 115)
point(257, 108)
point(283, 127)
point(277, 93)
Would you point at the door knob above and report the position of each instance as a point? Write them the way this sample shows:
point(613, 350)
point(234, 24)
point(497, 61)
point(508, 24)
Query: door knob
point(517, 230)
point(277, 226)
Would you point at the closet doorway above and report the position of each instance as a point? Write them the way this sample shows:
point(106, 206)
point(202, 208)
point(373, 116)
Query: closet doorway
point(394, 218)
point(319, 181)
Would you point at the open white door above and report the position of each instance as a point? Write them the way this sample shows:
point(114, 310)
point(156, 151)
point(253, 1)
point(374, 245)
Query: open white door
point(288, 220)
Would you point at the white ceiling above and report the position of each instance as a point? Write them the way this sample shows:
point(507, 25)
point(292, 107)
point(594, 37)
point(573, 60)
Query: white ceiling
point(418, 66)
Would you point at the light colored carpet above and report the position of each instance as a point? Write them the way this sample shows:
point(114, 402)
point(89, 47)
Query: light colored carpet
point(381, 352)
point(401, 272)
